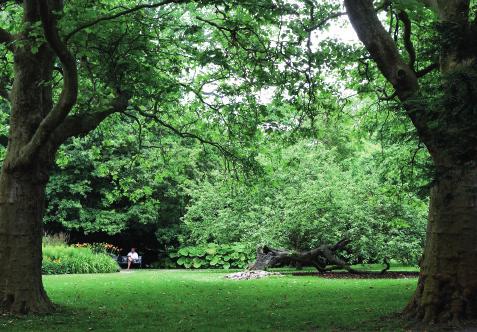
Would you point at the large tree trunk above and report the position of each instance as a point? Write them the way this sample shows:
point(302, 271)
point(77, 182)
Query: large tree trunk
point(22, 203)
point(22, 187)
point(37, 128)
point(447, 286)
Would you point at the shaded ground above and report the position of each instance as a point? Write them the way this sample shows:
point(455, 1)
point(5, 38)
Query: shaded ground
point(162, 300)
point(348, 275)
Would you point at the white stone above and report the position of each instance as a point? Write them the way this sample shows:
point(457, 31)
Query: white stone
point(247, 275)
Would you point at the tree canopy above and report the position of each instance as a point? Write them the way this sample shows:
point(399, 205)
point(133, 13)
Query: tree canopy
point(243, 121)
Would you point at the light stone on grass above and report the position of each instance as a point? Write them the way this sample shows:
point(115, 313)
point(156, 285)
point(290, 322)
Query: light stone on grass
point(247, 275)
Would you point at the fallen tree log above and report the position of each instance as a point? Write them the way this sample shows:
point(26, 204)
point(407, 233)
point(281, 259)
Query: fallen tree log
point(324, 258)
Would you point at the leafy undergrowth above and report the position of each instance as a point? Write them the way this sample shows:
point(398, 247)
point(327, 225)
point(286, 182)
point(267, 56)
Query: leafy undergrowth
point(210, 256)
point(62, 259)
point(175, 300)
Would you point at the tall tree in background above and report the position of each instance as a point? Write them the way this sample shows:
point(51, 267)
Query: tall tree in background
point(447, 286)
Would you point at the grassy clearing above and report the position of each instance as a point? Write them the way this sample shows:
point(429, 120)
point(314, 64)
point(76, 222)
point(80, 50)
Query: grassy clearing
point(178, 300)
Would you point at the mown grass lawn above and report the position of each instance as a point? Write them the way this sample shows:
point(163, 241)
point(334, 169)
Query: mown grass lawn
point(177, 300)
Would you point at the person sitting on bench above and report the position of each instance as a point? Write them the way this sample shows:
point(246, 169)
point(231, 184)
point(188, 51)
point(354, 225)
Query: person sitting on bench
point(132, 257)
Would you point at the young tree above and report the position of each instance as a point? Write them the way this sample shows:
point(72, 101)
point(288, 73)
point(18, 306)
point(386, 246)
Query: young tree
point(447, 286)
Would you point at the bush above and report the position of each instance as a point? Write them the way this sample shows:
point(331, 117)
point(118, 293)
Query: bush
point(62, 259)
point(214, 256)
point(100, 248)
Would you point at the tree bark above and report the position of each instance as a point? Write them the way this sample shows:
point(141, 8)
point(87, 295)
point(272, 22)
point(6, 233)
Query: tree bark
point(22, 203)
point(22, 186)
point(22, 193)
point(447, 286)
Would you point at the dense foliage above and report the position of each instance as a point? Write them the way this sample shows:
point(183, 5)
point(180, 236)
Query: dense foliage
point(72, 260)
point(60, 258)
point(224, 256)
point(306, 198)
point(240, 129)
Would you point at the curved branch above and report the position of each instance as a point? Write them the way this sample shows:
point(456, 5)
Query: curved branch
point(69, 91)
point(385, 53)
point(119, 14)
point(427, 70)
point(404, 18)
point(381, 47)
point(183, 134)
point(324, 21)
point(82, 124)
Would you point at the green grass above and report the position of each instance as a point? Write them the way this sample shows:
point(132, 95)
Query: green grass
point(178, 300)
point(362, 267)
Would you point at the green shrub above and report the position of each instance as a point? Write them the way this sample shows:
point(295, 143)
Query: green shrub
point(224, 256)
point(62, 259)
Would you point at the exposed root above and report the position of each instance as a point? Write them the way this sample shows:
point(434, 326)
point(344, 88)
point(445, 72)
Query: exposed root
point(441, 301)
point(23, 303)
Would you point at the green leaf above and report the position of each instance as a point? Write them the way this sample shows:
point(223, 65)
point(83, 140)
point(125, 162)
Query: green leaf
point(197, 263)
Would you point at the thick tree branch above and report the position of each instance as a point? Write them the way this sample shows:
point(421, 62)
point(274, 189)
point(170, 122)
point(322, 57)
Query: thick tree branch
point(381, 47)
point(69, 91)
point(82, 124)
point(324, 258)
point(402, 15)
point(427, 70)
point(385, 53)
point(119, 14)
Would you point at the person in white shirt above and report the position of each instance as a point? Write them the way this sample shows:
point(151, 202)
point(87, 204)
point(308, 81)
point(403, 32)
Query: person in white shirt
point(132, 256)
